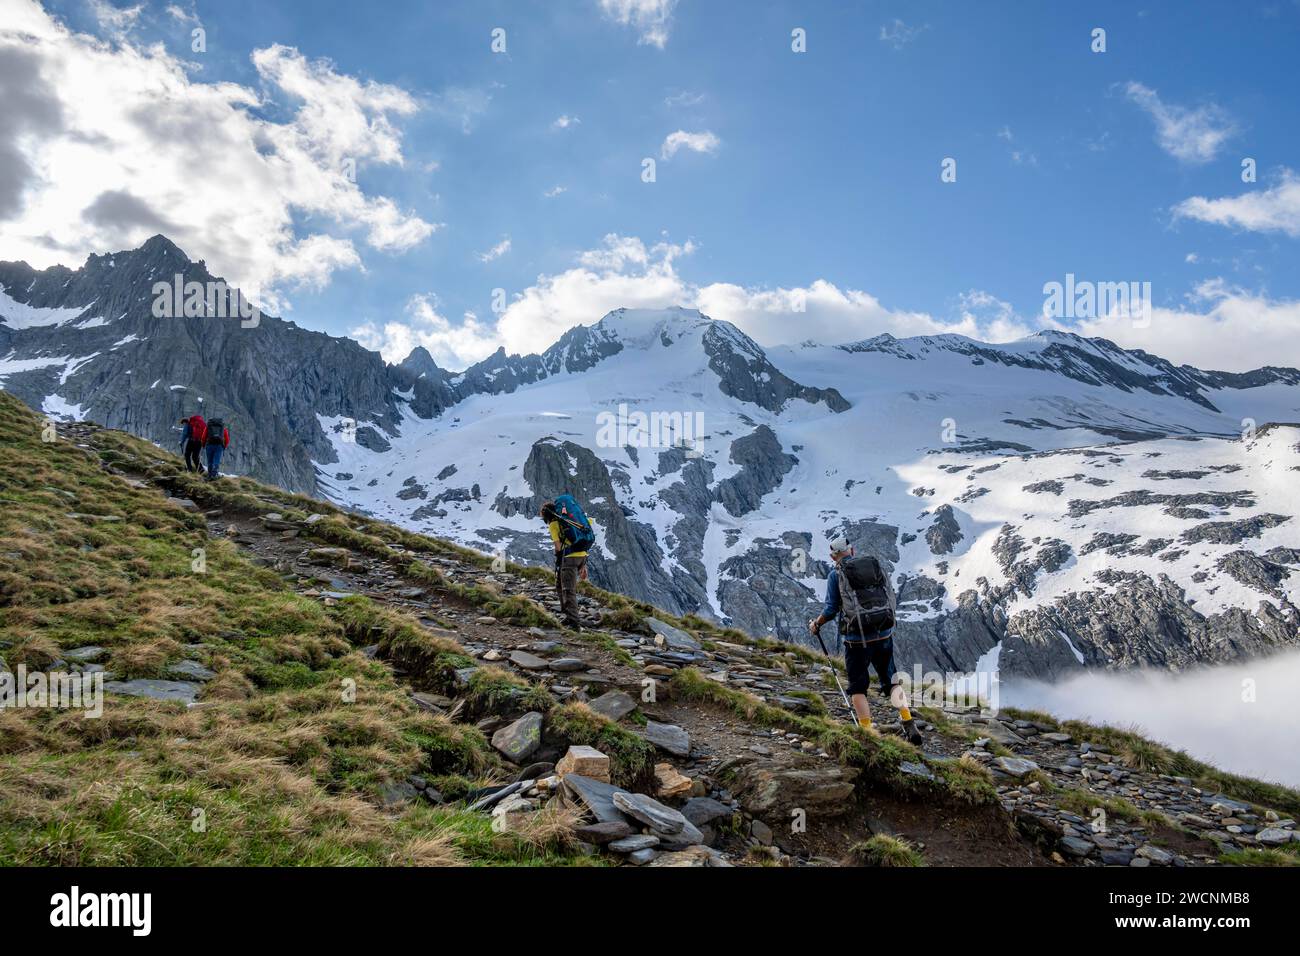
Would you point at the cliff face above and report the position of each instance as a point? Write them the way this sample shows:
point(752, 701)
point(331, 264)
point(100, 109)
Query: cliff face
point(89, 345)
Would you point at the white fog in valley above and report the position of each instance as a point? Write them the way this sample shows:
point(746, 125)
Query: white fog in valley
point(1208, 712)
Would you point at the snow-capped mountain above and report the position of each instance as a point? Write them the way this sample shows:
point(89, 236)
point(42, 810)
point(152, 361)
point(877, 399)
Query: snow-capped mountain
point(1044, 505)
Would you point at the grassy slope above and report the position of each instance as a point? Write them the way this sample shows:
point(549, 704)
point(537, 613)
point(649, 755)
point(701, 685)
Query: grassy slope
point(282, 660)
point(275, 768)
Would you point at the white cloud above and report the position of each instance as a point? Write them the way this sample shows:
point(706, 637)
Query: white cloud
point(183, 16)
point(496, 252)
point(1229, 329)
point(453, 347)
point(652, 19)
point(1269, 210)
point(624, 272)
point(1189, 135)
point(898, 34)
point(1236, 331)
point(554, 191)
point(565, 121)
point(1191, 257)
point(683, 99)
point(121, 143)
point(702, 142)
point(116, 20)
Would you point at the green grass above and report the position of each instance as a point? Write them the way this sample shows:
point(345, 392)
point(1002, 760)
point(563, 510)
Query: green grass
point(881, 850)
point(284, 761)
point(631, 756)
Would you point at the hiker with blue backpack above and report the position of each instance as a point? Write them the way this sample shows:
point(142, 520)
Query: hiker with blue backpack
point(572, 536)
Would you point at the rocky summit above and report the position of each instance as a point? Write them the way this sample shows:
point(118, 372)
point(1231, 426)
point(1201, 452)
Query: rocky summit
point(410, 700)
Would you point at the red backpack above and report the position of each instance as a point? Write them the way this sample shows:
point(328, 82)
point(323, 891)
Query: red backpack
point(198, 429)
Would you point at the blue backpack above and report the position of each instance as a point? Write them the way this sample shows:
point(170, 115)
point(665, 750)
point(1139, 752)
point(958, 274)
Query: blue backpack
point(575, 529)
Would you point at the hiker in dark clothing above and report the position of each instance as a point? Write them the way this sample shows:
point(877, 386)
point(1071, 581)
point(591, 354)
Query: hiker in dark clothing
point(194, 431)
point(215, 444)
point(572, 535)
point(860, 600)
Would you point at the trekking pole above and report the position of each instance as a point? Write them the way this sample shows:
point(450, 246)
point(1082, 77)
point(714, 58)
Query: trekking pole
point(853, 713)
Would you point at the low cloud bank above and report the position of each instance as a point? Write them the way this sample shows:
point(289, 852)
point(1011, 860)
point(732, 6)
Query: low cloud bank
point(1241, 717)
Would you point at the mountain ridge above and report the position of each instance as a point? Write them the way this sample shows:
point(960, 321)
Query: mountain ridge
point(794, 443)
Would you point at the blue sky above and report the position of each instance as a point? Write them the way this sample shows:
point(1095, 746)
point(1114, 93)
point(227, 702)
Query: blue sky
point(815, 166)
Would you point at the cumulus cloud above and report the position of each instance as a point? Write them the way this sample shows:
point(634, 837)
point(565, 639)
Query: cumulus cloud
point(651, 19)
point(1190, 135)
point(565, 121)
point(1222, 328)
point(554, 191)
point(702, 142)
point(453, 346)
point(1276, 209)
point(623, 271)
point(114, 142)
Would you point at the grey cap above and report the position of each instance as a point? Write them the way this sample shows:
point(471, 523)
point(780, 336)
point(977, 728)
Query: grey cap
point(839, 543)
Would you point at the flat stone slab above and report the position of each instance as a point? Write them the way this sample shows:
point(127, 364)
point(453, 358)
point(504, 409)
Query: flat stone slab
point(668, 737)
point(673, 638)
point(185, 691)
point(663, 820)
point(568, 664)
point(1224, 800)
point(601, 833)
point(90, 652)
point(613, 704)
point(630, 844)
point(596, 796)
point(916, 769)
point(1276, 836)
point(1015, 766)
point(529, 662)
point(191, 670)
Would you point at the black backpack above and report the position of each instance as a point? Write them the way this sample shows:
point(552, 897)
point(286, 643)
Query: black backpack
point(864, 598)
point(216, 432)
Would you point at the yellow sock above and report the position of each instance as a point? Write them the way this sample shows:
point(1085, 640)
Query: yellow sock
point(904, 713)
point(864, 722)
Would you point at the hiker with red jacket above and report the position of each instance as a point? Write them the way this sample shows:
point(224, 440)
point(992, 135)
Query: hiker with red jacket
point(194, 432)
point(216, 441)
point(572, 536)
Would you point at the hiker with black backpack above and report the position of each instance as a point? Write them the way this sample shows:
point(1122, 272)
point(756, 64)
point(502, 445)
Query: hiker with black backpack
point(573, 537)
point(860, 600)
point(216, 443)
point(194, 432)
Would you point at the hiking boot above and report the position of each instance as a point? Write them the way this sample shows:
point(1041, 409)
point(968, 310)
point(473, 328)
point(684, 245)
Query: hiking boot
point(913, 735)
point(573, 625)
